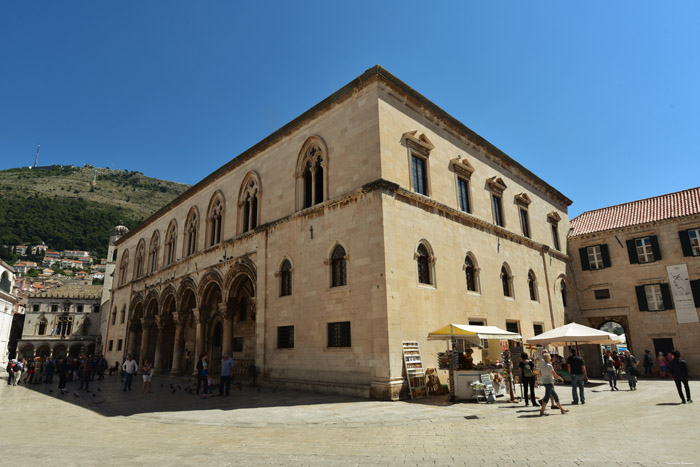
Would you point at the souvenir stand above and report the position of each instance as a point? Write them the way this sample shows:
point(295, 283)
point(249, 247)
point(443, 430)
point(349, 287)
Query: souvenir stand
point(468, 379)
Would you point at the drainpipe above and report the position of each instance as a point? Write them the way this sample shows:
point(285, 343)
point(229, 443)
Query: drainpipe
point(543, 253)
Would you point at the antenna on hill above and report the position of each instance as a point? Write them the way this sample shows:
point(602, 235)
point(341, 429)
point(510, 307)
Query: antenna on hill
point(94, 178)
point(36, 158)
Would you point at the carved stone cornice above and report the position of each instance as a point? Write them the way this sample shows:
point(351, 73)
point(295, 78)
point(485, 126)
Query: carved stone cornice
point(462, 167)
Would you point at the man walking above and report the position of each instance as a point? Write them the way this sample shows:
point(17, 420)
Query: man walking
point(679, 370)
point(648, 362)
point(579, 376)
point(130, 367)
point(86, 374)
point(226, 373)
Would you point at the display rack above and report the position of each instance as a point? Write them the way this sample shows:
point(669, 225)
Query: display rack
point(415, 373)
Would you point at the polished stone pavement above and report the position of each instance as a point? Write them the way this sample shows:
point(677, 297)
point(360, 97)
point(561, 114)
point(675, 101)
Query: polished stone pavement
point(266, 426)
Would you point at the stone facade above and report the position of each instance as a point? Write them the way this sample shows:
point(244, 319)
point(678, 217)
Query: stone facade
point(630, 283)
point(8, 305)
point(313, 254)
point(61, 322)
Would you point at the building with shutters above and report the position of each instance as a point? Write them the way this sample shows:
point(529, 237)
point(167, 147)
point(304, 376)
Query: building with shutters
point(638, 265)
point(371, 219)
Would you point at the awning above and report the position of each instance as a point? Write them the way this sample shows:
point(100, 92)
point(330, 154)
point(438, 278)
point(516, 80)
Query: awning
point(476, 332)
point(574, 333)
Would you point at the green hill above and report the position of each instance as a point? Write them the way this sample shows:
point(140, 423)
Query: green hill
point(61, 205)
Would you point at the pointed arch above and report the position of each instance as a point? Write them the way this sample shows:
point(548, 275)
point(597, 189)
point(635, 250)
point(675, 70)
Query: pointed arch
point(139, 259)
point(124, 267)
point(136, 306)
point(190, 237)
point(532, 285)
point(471, 272)
point(312, 173)
point(242, 267)
point(564, 290)
point(153, 252)
point(168, 297)
point(170, 246)
point(152, 303)
point(285, 277)
point(186, 292)
point(211, 277)
point(42, 325)
point(249, 202)
point(425, 261)
point(215, 218)
point(507, 280)
point(339, 266)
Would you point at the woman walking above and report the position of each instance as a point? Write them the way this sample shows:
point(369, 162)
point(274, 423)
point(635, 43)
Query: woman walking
point(202, 372)
point(611, 371)
point(147, 375)
point(62, 371)
point(631, 369)
point(547, 377)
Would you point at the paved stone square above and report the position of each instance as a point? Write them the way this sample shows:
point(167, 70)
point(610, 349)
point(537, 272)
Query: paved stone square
point(274, 427)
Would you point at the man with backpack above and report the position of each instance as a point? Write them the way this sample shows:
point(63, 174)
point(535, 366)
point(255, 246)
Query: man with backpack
point(527, 374)
point(648, 362)
point(10, 372)
point(579, 376)
point(679, 370)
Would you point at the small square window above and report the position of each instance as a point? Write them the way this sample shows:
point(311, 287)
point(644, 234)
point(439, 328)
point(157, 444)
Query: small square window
point(285, 337)
point(601, 294)
point(79, 308)
point(119, 344)
point(595, 257)
point(476, 323)
point(512, 326)
point(238, 344)
point(95, 308)
point(645, 253)
point(538, 329)
point(54, 308)
point(35, 308)
point(339, 334)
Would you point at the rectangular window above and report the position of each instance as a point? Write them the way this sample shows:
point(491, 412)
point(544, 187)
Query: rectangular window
point(694, 236)
point(54, 308)
point(524, 223)
point(595, 257)
point(79, 308)
point(497, 210)
point(512, 326)
point(601, 294)
point(655, 300)
point(339, 334)
point(645, 254)
point(420, 175)
point(119, 344)
point(285, 337)
point(238, 344)
point(538, 328)
point(463, 186)
point(111, 344)
point(35, 308)
point(95, 308)
point(555, 237)
point(476, 323)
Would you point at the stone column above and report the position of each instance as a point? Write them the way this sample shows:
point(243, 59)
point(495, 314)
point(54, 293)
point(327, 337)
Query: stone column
point(178, 318)
point(227, 338)
point(145, 325)
point(158, 358)
point(199, 336)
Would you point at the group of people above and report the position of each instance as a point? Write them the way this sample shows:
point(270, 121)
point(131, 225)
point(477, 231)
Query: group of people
point(204, 378)
point(676, 367)
point(41, 370)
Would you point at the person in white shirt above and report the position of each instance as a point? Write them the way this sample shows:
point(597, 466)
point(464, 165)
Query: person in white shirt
point(547, 377)
point(130, 368)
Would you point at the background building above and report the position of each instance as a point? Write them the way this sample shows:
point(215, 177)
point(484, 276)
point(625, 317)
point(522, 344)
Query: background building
point(373, 218)
point(62, 321)
point(638, 265)
point(8, 307)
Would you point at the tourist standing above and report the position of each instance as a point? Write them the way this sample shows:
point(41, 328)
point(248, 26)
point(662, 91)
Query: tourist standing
point(527, 375)
point(547, 377)
point(611, 371)
point(679, 370)
point(226, 375)
point(62, 375)
point(202, 372)
point(579, 376)
point(663, 365)
point(631, 369)
point(147, 375)
point(10, 372)
point(648, 362)
point(130, 368)
point(50, 369)
point(86, 373)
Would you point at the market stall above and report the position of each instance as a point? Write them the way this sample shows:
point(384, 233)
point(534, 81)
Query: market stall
point(491, 375)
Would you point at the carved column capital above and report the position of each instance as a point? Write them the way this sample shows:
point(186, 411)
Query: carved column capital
point(161, 321)
point(199, 315)
point(224, 312)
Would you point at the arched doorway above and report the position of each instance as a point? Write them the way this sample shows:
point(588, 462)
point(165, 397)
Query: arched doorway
point(184, 347)
point(27, 351)
point(211, 322)
point(43, 351)
point(60, 351)
point(241, 302)
point(75, 351)
point(612, 327)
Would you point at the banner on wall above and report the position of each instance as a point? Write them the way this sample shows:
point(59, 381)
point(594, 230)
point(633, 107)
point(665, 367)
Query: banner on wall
point(679, 283)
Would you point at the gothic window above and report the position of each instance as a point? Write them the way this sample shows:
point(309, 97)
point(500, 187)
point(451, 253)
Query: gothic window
point(506, 281)
point(123, 267)
point(424, 263)
point(153, 252)
point(563, 293)
point(339, 271)
point(215, 219)
point(42, 327)
point(114, 317)
point(470, 272)
point(191, 228)
point(122, 317)
point(312, 173)
point(64, 326)
point(286, 278)
point(170, 242)
point(139, 259)
point(249, 203)
point(532, 285)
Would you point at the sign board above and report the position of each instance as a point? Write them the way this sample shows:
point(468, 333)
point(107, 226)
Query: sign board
point(679, 283)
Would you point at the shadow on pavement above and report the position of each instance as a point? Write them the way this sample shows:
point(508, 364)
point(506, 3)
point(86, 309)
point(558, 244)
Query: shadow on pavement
point(669, 403)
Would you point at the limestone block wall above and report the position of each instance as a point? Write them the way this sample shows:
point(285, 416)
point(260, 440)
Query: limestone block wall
point(621, 278)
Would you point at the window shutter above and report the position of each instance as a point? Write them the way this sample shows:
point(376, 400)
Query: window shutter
point(666, 294)
point(695, 287)
point(606, 255)
point(655, 247)
point(685, 243)
point(641, 298)
point(632, 251)
point(584, 259)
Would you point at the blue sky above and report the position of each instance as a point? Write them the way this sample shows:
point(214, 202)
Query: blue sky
point(600, 99)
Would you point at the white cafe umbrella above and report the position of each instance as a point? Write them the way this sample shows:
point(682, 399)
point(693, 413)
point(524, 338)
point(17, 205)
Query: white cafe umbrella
point(574, 333)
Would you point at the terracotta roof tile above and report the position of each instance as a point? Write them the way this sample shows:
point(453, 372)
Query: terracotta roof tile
point(669, 206)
